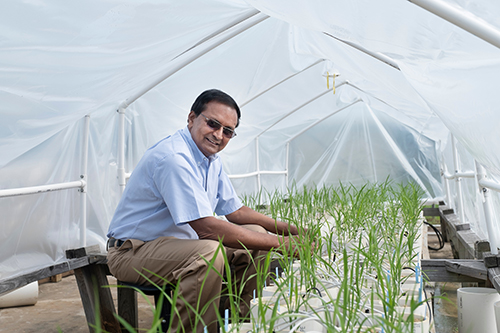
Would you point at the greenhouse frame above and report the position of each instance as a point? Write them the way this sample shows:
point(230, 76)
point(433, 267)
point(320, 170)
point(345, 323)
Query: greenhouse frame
point(331, 93)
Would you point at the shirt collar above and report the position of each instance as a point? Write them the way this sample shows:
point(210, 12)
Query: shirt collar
point(198, 155)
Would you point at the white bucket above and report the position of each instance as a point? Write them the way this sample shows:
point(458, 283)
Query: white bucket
point(268, 306)
point(496, 306)
point(475, 310)
point(270, 291)
point(27, 295)
point(240, 328)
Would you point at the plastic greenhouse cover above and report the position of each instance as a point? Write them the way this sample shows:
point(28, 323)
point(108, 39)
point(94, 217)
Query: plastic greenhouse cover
point(62, 61)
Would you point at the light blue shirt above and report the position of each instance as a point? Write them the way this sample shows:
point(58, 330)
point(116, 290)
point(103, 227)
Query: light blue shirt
point(173, 184)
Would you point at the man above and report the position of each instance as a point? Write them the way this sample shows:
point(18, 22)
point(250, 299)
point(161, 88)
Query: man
point(165, 220)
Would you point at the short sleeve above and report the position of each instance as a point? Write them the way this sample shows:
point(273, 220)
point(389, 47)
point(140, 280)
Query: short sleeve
point(228, 199)
point(179, 182)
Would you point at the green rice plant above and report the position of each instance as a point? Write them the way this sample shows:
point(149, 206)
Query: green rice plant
point(360, 237)
point(262, 275)
point(231, 290)
point(411, 207)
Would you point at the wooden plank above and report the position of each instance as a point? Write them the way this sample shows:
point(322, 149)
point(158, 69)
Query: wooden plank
point(83, 280)
point(435, 270)
point(465, 243)
point(107, 307)
point(56, 278)
point(447, 229)
point(453, 220)
point(47, 280)
point(491, 260)
point(473, 268)
point(445, 210)
point(93, 286)
point(494, 277)
point(475, 246)
point(443, 229)
point(431, 211)
point(127, 305)
point(9, 284)
point(83, 251)
point(98, 258)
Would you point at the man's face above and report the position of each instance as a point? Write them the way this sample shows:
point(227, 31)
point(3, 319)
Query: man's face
point(209, 140)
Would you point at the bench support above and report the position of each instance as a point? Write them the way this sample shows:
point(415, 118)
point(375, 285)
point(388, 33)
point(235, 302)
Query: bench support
point(95, 293)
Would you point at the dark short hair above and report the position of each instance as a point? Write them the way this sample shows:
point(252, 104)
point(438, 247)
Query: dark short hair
point(214, 95)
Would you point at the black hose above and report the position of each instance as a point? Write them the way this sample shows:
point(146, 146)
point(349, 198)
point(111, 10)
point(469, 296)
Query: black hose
point(431, 314)
point(439, 236)
point(313, 288)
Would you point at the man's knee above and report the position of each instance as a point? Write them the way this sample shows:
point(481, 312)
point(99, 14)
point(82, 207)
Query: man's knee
point(213, 254)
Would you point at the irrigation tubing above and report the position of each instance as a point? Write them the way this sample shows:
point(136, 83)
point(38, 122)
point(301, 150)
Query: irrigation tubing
point(439, 236)
point(431, 314)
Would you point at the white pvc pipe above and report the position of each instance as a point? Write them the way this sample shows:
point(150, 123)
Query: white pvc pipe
point(229, 25)
point(446, 182)
point(490, 184)
point(376, 55)
point(83, 176)
point(465, 174)
point(463, 19)
point(431, 201)
point(255, 173)
point(181, 62)
point(399, 154)
point(458, 180)
point(287, 163)
point(448, 176)
point(121, 149)
point(257, 167)
point(299, 107)
point(323, 119)
point(42, 189)
point(27, 295)
point(277, 84)
point(489, 216)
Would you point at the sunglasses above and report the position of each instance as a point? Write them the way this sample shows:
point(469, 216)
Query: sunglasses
point(214, 124)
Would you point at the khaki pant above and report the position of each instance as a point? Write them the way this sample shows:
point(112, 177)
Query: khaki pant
point(187, 263)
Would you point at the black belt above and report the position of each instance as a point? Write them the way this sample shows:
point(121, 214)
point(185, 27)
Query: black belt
point(113, 242)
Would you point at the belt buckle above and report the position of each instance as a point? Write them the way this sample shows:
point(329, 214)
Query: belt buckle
point(110, 240)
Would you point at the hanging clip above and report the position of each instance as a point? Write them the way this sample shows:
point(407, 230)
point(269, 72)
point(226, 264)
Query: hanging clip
point(333, 89)
point(334, 75)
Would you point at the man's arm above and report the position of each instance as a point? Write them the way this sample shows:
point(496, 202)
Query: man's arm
point(235, 236)
point(246, 215)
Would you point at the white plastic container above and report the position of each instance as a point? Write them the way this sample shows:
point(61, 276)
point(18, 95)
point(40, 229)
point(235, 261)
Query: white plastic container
point(27, 295)
point(267, 305)
point(476, 311)
point(496, 306)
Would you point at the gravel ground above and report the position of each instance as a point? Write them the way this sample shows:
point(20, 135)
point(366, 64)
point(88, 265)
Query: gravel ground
point(59, 309)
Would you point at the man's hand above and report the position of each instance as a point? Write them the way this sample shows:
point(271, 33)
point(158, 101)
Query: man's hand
point(289, 246)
